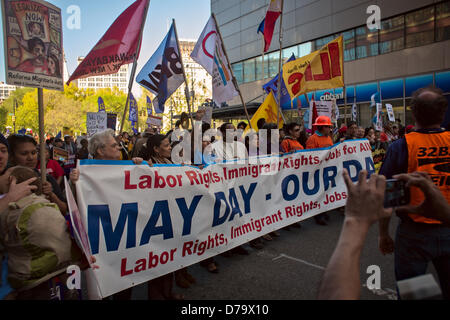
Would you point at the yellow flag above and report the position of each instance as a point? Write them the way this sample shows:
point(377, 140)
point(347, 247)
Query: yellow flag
point(268, 110)
point(322, 69)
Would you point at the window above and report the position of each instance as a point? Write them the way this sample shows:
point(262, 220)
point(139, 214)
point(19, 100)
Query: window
point(323, 41)
point(366, 42)
point(273, 63)
point(419, 27)
point(238, 72)
point(249, 70)
point(259, 66)
point(304, 49)
point(443, 21)
point(287, 53)
point(349, 45)
point(392, 34)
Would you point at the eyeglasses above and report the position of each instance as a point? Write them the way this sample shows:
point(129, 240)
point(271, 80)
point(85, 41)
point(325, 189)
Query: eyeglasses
point(297, 130)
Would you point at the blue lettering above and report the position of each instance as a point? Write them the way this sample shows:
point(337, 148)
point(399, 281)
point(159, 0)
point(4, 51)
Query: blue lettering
point(355, 164)
point(315, 189)
point(234, 205)
point(370, 166)
point(161, 208)
point(220, 196)
point(285, 185)
point(97, 213)
point(187, 213)
point(327, 178)
point(247, 196)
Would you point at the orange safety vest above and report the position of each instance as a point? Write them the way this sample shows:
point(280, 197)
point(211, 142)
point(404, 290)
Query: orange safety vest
point(429, 153)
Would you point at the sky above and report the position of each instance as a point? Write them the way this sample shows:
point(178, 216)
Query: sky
point(97, 16)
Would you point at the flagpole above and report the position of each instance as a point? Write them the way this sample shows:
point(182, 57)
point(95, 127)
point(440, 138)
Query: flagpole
point(236, 85)
point(280, 37)
point(186, 89)
point(133, 70)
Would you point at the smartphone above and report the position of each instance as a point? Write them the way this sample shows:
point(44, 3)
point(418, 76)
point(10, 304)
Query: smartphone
point(396, 194)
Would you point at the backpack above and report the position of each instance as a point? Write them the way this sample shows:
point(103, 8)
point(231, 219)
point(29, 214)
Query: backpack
point(35, 236)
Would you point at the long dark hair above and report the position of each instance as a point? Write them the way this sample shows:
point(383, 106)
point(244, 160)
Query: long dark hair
point(152, 142)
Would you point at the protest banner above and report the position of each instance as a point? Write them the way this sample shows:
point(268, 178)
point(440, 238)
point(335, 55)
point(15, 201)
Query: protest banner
point(155, 121)
point(60, 154)
point(144, 222)
point(96, 122)
point(32, 33)
point(379, 117)
point(322, 69)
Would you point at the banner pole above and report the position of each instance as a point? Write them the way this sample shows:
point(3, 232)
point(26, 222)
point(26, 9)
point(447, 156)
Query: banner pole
point(280, 37)
point(186, 89)
point(41, 136)
point(236, 85)
point(133, 70)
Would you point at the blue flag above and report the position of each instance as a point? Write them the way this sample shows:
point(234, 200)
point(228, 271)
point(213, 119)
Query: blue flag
point(272, 85)
point(23, 131)
point(163, 73)
point(133, 117)
point(149, 107)
point(101, 105)
point(261, 27)
point(59, 135)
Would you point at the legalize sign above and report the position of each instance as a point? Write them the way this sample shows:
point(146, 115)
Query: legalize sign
point(143, 222)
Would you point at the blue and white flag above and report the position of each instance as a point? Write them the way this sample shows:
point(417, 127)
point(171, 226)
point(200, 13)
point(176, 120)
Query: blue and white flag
point(374, 99)
point(133, 117)
point(101, 105)
point(163, 73)
point(149, 107)
point(272, 85)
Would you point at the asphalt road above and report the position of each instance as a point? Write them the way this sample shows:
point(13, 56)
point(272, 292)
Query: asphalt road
point(288, 268)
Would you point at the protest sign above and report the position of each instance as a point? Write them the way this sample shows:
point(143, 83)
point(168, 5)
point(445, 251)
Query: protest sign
point(60, 154)
point(33, 44)
point(322, 69)
point(96, 122)
point(379, 117)
point(144, 222)
point(390, 112)
point(324, 108)
point(155, 121)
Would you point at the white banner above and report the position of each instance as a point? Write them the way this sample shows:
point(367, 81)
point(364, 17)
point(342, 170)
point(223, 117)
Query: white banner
point(144, 222)
point(379, 117)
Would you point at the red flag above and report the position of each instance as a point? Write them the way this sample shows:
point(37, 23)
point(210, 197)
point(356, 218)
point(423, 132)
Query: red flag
point(315, 115)
point(118, 45)
point(273, 12)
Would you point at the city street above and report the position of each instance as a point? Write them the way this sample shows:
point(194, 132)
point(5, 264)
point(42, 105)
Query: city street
point(288, 268)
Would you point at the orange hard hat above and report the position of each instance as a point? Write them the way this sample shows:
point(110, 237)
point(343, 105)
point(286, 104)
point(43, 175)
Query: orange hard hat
point(323, 121)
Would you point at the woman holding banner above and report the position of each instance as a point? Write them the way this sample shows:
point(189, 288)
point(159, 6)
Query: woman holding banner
point(159, 151)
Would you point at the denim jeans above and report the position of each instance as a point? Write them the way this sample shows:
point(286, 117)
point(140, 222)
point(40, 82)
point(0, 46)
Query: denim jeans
point(417, 244)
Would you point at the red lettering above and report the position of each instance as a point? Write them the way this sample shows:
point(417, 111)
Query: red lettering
point(296, 80)
point(325, 68)
point(333, 48)
point(129, 186)
point(308, 73)
point(159, 181)
point(123, 268)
